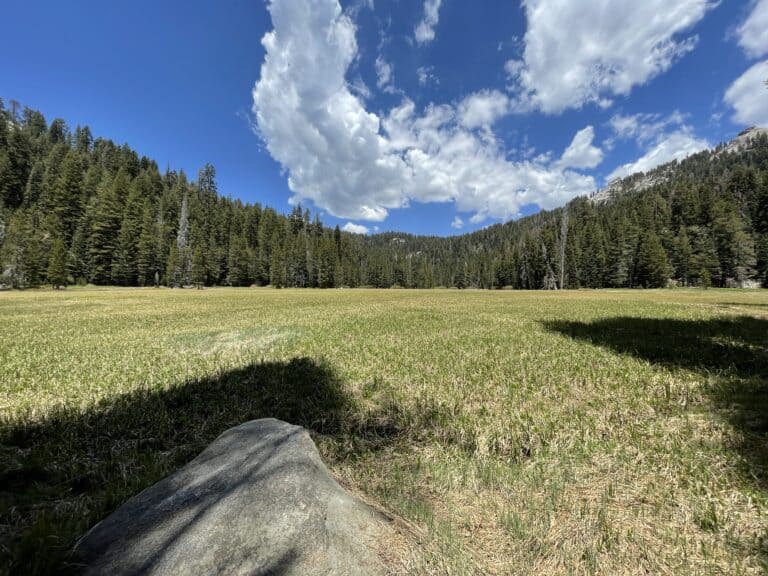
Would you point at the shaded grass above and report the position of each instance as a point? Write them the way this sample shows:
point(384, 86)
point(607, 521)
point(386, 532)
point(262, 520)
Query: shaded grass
point(62, 474)
point(586, 432)
point(730, 353)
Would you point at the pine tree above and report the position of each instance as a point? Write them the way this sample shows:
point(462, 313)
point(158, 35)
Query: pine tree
point(13, 262)
point(22, 258)
point(652, 264)
point(760, 217)
point(198, 268)
point(735, 246)
point(760, 224)
point(34, 188)
point(67, 196)
point(460, 280)
point(761, 259)
point(296, 263)
point(14, 168)
point(124, 258)
point(147, 248)
point(83, 140)
point(57, 265)
point(277, 271)
point(237, 263)
point(593, 253)
point(172, 278)
point(326, 264)
point(58, 133)
point(79, 258)
point(682, 257)
point(704, 259)
point(105, 226)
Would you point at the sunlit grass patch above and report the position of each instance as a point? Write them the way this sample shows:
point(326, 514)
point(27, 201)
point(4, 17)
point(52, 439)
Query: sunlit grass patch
point(250, 341)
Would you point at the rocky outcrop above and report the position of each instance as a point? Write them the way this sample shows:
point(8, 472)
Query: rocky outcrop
point(259, 500)
point(642, 181)
point(743, 142)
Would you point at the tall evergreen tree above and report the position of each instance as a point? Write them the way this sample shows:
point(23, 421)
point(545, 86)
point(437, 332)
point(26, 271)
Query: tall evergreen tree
point(57, 265)
point(652, 264)
point(105, 226)
point(147, 248)
point(198, 267)
point(237, 263)
point(172, 274)
point(67, 197)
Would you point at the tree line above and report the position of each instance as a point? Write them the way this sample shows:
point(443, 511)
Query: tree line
point(79, 209)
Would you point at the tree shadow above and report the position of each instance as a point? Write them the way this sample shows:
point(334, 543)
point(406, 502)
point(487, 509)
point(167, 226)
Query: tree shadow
point(731, 355)
point(61, 475)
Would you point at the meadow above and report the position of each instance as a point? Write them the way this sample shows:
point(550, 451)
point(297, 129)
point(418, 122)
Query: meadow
point(584, 432)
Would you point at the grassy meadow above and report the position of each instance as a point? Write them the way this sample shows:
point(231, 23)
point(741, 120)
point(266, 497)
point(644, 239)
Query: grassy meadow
point(590, 432)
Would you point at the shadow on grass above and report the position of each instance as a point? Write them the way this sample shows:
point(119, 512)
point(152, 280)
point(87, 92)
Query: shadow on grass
point(60, 476)
point(730, 354)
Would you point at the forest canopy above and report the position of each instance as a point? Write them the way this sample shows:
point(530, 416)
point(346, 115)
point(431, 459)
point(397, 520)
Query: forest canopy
point(79, 209)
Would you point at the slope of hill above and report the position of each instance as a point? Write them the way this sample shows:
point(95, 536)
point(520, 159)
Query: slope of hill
point(75, 209)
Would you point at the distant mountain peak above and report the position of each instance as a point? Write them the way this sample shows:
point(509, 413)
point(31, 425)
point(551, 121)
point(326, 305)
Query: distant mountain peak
point(640, 181)
point(743, 141)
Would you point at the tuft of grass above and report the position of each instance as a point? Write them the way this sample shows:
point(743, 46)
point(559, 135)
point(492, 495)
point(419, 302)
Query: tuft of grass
point(594, 432)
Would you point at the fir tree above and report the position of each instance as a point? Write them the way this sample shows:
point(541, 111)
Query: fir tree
point(277, 271)
point(124, 258)
point(147, 248)
point(652, 265)
point(79, 259)
point(105, 226)
point(237, 263)
point(67, 199)
point(198, 268)
point(57, 265)
point(682, 257)
point(172, 277)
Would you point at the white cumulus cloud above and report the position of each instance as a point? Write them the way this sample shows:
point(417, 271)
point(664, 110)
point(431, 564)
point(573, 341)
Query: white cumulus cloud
point(425, 31)
point(748, 96)
point(310, 121)
point(581, 153)
point(457, 223)
point(675, 146)
point(584, 52)
point(449, 162)
point(482, 109)
point(358, 165)
point(355, 228)
point(753, 33)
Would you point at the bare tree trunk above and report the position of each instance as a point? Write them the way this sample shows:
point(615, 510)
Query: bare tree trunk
point(549, 282)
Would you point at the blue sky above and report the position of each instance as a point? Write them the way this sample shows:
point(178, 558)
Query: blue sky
point(434, 117)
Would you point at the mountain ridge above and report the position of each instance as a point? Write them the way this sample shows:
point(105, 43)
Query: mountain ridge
point(640, 181)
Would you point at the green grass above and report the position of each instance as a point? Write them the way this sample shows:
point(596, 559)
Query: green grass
point(595, 432)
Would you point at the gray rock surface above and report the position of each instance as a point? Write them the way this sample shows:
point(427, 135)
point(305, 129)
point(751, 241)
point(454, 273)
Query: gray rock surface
point(258, 500)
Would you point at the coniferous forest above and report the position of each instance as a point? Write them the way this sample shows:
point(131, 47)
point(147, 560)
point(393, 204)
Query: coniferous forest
point(79, 209)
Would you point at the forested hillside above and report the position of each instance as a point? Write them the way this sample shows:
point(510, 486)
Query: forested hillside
point(74, 209)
